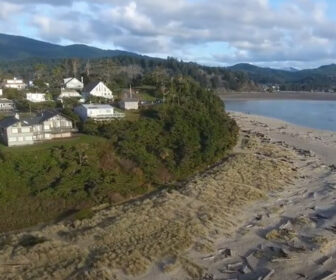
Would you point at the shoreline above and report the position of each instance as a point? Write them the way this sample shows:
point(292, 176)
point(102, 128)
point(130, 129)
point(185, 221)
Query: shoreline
point(321, 142)
point(269, 209)
point(278, 96)
point(273, 119)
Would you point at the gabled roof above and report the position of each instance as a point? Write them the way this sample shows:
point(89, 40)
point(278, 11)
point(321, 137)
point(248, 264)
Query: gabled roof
point(67, 80)
point(29, 121)
point(89, 87)
point(7, 122)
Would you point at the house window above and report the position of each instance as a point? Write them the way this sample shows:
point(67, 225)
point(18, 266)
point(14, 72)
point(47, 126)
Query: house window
point(15, 130)
point(12, 139)
point(25, 129)
point(29, 138)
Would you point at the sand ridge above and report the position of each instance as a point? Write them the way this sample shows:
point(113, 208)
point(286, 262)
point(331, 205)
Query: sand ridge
point(265, 212)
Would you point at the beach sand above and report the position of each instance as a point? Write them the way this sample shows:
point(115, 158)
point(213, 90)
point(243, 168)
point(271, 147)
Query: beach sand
point(266, 212)
point(292, 235)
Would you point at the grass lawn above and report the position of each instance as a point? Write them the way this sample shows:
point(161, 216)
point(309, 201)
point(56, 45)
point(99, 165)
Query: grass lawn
point(77, 139)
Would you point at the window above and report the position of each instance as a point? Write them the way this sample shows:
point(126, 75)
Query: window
point(29, 138)
point(12, 139)
point(15, 130)
point(25, 129)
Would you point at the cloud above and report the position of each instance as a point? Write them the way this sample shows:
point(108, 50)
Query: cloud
point(259, 31)
point(7, 9)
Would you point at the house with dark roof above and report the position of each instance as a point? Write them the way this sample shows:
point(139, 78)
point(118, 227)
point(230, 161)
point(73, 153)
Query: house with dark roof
point(97, 89)
point(16, 131)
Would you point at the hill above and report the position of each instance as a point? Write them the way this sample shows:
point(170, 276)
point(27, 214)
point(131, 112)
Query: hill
point(18, 48)
point(322, 78)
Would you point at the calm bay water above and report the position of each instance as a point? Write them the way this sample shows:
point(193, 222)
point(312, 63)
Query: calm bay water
point(313, 114)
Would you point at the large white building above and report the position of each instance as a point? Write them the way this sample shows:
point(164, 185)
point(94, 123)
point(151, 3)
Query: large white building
point(97, 89)
point(36, 97)
point(73, 83)
point(27, 131)
point(15, 83)
point(1, 92)
point(97, 112)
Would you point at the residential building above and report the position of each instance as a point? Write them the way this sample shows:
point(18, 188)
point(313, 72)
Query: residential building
point(129, 103)
point(69, 93)
point(129, 100)
point(98, 89)
point(6, 105)
point(36, 97)
point(97, 112)
point(27, 131)
point(1, 92)
point(15, 83)
point(73, 83)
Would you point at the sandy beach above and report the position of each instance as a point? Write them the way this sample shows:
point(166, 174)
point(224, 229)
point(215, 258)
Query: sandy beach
point(283, 95)
point(266, 212)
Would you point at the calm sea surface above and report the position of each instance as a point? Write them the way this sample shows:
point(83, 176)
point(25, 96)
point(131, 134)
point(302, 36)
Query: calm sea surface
point(314, 114)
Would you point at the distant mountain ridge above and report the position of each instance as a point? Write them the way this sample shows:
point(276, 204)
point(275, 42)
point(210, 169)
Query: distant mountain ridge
point(323, 77)
point(19, 48)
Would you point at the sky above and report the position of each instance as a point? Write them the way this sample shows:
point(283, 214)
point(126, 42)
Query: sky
point(272, 33)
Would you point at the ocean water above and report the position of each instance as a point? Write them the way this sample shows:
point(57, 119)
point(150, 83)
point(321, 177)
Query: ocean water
point(313, 114)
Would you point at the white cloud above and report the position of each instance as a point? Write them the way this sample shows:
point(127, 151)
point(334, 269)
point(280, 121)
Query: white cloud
point(7, 9)
point(293, 31)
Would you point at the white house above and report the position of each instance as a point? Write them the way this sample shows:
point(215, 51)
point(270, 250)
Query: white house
point(15, 83)
point(6, 105)
point(98, 89)
point(97, 112)
point(73, 83)
point(69, 93)
point(0, 91)
point(36, 97)
point(27, 131)
point(129, 104)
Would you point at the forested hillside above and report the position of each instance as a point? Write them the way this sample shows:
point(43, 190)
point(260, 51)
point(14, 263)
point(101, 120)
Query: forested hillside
point(322, 78)
point(14, 48)
point(120, 71)
point(122, 159)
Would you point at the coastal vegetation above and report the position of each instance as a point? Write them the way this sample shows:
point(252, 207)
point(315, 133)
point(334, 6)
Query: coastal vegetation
point(120, 160)
point(162, 228)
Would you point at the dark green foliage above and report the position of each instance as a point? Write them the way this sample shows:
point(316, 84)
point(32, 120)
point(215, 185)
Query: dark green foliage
point(190, 131)
point(167, 142)
point(121, 71)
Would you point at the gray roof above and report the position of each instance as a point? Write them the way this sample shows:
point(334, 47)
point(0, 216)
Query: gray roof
point(89, 87)
point(29, 121)
point(7, 122)
point(96, 106)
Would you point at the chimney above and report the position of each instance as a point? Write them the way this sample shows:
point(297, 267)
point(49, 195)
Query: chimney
point(82, 79)
point(17, 116)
